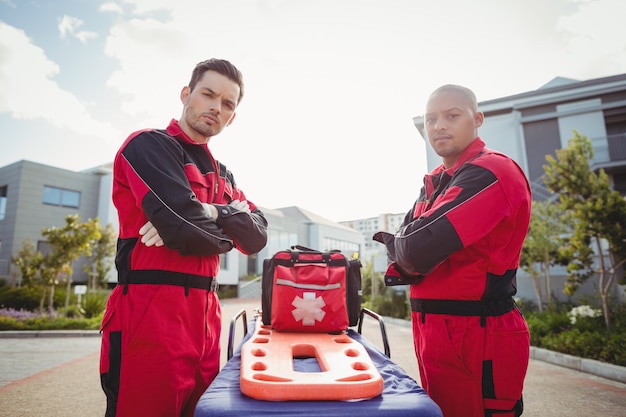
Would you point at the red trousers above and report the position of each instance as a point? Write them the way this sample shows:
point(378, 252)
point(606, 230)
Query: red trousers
point(160, 349)
point(471, 370)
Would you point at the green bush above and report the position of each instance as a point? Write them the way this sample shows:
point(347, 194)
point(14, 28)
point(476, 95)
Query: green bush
point(575, 342)
point(546, 324)
point(13, 320)
point(20, 298)
point(72, 311)
point(227, 291)
point(94, 304)
point(587, 337)
point(393, 305)
point(614, 351)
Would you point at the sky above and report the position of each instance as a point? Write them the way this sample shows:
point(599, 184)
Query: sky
point(331, 86)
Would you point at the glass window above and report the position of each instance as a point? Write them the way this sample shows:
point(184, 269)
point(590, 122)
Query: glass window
point(51, 196)
point(60, 197)
point(70, 198)
point(347, 248)
point(3, 202)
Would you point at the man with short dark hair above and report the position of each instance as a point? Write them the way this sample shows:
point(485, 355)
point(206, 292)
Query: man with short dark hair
point(179, 209)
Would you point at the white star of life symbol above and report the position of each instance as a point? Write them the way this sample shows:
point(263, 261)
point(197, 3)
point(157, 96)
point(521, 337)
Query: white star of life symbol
point(308, 308)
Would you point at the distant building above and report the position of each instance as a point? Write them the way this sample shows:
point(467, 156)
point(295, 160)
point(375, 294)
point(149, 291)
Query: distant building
point(291, 226)
point(35, 196)
point(374, 251)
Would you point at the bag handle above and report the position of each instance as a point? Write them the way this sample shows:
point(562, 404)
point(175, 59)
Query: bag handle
point(296, 249)
point(305, 249)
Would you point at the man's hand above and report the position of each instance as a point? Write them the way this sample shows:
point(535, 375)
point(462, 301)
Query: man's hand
point(389, 241)
point(150, 235)
point(210, 210)
point(240, 205)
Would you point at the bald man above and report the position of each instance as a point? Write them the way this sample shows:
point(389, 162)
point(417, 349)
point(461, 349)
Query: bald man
point(459, 249)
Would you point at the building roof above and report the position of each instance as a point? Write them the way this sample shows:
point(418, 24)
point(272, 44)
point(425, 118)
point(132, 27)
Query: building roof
point(558, 81)
point(556, 88)
point(300, 214)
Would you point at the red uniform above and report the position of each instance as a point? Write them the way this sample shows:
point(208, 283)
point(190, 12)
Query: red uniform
point(161, 328)
point(459, 247)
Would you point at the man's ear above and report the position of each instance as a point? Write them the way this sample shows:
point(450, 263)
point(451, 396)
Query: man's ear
point(479, 118)
point(184, 95)
point(231, 119)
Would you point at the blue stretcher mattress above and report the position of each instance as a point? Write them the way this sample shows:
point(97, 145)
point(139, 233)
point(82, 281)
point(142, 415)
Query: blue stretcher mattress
point(401, 396)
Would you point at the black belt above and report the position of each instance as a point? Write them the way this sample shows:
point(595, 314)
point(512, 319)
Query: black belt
point(168, 278)
point(481, 309)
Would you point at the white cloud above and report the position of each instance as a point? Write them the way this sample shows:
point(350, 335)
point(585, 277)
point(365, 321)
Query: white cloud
point(596, 37)
point(146, 6)
point(152, 68)
point(111, 7)
point(69, 25)
point(29, 91)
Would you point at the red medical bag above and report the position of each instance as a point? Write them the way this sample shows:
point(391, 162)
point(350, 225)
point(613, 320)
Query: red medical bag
point(305, 290)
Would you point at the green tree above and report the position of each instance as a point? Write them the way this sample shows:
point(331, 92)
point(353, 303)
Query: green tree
point(599, 218)
point(101, 257)
point(548, 225)
point(67, 244)
point(386, 301)
point(371, 281)
point(28, 260)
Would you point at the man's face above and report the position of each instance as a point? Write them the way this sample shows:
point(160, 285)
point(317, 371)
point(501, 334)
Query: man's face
point(451, 124)
point(209, 107)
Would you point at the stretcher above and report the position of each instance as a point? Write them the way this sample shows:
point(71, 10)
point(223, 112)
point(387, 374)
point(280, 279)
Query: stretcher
point(401, 395)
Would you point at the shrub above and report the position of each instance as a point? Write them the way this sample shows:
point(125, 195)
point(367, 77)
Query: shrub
point(394, 305)
point(24, 320)
point(227, 291)
point(546, 324)
point(72, 311)
point(580, 331)
point(576, 342)
point(614, 351)
point(94, 304)
point(20, 298)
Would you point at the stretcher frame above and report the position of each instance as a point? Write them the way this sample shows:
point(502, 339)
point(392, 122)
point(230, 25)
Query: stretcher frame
point(401, 397)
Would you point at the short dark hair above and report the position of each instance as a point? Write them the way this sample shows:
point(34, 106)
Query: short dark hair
point(220, 66)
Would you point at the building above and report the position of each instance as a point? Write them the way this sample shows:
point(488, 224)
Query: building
point(35, 196)
point(386, 222)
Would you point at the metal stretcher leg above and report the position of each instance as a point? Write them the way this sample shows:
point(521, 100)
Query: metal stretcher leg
point(383, 329)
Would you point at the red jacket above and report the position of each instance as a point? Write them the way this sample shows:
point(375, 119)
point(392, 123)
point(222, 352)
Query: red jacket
point(163, 176)
point(464, 236)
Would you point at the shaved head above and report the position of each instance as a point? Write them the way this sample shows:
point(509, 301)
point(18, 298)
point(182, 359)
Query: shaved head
point(465, 92)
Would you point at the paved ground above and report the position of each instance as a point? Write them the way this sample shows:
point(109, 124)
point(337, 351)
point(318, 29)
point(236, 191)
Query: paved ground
point(58, 376)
